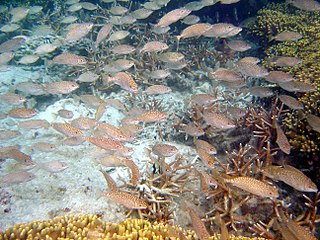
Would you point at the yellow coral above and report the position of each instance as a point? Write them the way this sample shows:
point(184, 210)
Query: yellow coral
point(92, 227)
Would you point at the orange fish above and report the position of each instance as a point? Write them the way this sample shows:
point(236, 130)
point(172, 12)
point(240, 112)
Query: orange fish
point(69, 59)
point(105, 143)
point(62, 87)
point(125, 81)
point(12, 99)
point(198, 225)
point(152, 116)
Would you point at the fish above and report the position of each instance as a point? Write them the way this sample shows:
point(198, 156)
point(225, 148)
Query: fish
point(18, 14)
point(125, 81)
point(122, 49)
point(222, 30)
point(203, 99)
point(295, 86)
point(154, 46)
point(278, 76)
point(100, 111)
point(12, 99)
point(198, 225)
point(151, 116)
point(195, 6)
point(191, 20)
point(127, 199)
point(69, 59)
point(45, 48)
point(206, 181)
point(282, 140)
point(118, 10)
point(13, 44)
point(164, 150)
point(103, 34)
point(6, 57)
point(291, 102)
point(89, 6)
point(83, 123)
point(74, 141)
point(62, 87)
point(206, 158)
point(228, 1)
point(16, 178)
point(8, 28)
point(218, 120)
point(261, 91)
point(224, 74)
point(159, 74)
point(195, 30)
point(43, 147)
point(238, 45)
point(118, 35)
point(16, 154)
point(91, 100)
point(157, 89)
point(291, 176)
point(287, 36)
point(314, 122)
point(69, 19)
point(9, 134)
point(28, 59)
point(30, 88)
point(251, 69)
point(105, 143)
point(33, 124)
point(170, 57)
point(283, 61)
point(112, 132)
point(141, 13)
point(67, 129)
point(172, 17)
point(204, 145)
point(22, 113)
point(253, 186)
point(308, 5)
point(78, 31)
point(192, 130)
point(135, 173)
point(74, 7)
point(54, 166)
point(64, 113)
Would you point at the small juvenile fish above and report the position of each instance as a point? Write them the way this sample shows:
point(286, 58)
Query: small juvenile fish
point(314, 122)
point(22, 113)
point(206, 158)
point(127, 199)
point(198, 225)
point(203, 99)
point(191, 20)
point(261, 91)
point(83, 123)
point(8, 28)
point(18, 14)
point(118, 10)
point(224, 74)
point(28, 59)
point(218, 120)
point(159, 74)
point(282, 61)
point(164, 150)
point(67, 129)
point(30, 88)
point(141, 13)
point(16, 178)
point(89, 6)
point(170, 57)
point(291, 176)
point(45, 48)
point(206, 181)
point(222, 30)
point(192, 130)
point(69, 59)
point(122, 49)
point(74, 141)
point(16, 154)
point(62, 87)
point(118, 35)
point(253, 186)
point(54, 166)
point(251, 69)
point(105, 143)
point(111, 131)
point(157, 89)
point(291, 102)
point(6, 57)
point(100, 111)
point(287, 36)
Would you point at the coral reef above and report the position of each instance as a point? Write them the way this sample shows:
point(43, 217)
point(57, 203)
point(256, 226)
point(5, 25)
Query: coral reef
point(93, 227)
point(276, 18)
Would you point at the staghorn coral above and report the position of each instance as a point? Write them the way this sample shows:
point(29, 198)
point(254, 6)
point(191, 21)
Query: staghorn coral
point(93, 227)
point(280, 17)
